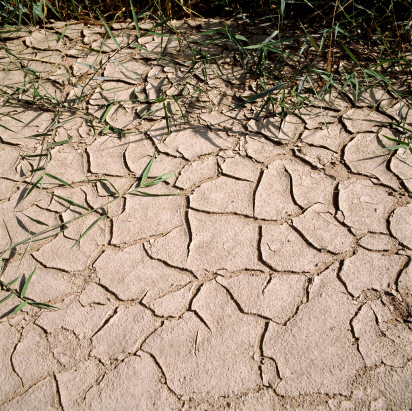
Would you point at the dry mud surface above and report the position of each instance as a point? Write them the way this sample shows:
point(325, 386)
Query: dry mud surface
point(279, 278)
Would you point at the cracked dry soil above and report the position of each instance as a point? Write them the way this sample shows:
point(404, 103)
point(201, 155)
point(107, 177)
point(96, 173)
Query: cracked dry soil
point(280, 280)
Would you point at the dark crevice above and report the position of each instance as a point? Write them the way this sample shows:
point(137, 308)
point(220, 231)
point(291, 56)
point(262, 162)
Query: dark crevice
point(400, 180)
point(262, 336)
point(58, 394)
point(239, 307)
point(87, 162)
point(304, 301)
point(161, 371)
point(125, 163)
point(106, 321)
point(110, 229)
point(187, 223)
point(335, 198)
point(259, 250)
point(340, 279)
point(269, 280)
point(11, 361)
point(110, 292)
point(292, 194)
point(307, 241)
point(255, 188)
point(222, 174)
point(201, 319)
point(405, 265)
point(180, 269)
point(352, 329)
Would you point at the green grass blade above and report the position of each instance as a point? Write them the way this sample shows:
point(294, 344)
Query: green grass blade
point(404, 145)
point(19, 307)
point(135, 19)
point(260, 95)
point(58, 179)
point(59, 143)
point(314, 45)
point(42, 305)
point(8, 232)
point(107, 111)
point(33, 187)
point(160, 179)
point(35, 220)
point(6, 298)
point(88, 229)
point(71, 202)
point(26, 283)
point(350, 54)
point(35, 170)
point(108, 30)
point(54, 11)
point(146, 171)
point(61, 35)
point(167, 118)
point(106, 180)
point(11, 282)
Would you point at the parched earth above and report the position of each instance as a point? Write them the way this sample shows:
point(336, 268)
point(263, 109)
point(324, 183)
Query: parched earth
point(279, 276)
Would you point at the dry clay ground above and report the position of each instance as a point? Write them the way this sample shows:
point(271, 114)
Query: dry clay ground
point(279, 278)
